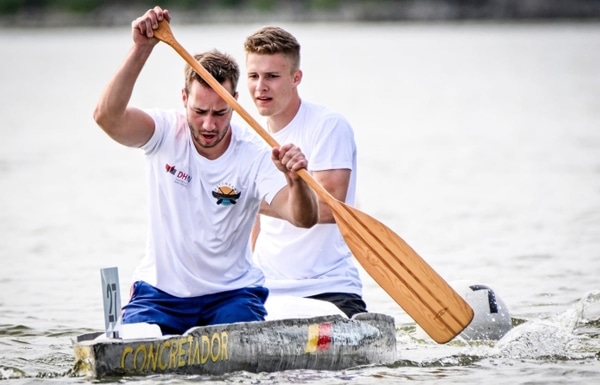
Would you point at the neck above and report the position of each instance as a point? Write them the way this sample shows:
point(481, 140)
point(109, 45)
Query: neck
point(277, 122)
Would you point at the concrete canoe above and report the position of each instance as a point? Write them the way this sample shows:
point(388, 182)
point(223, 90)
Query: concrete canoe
point(328, 342)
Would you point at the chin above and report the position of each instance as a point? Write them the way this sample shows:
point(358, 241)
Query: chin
point(264, 111)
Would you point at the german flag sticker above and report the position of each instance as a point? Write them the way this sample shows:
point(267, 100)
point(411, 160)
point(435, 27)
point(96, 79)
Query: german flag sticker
point(319, 337)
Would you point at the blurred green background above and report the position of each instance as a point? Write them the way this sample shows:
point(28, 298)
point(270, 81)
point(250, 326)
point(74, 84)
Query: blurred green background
point(117, 12)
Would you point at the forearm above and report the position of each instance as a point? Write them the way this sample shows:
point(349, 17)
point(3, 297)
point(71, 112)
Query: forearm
point(303, 206)
point(336, 182)
point(325, 213)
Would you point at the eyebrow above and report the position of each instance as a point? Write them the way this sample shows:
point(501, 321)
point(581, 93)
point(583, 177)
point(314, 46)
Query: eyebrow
point(200, 109)
point(263, 72)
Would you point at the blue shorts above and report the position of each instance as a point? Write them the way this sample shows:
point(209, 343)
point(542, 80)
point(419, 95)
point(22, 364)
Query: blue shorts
point(175, 315)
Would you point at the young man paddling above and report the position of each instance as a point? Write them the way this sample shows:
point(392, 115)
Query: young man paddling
point(316, 262)
point(207, 178)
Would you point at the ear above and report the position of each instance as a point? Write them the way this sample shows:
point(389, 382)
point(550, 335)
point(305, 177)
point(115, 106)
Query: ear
point(236, 95)
point(184, 96)
point(297, 77)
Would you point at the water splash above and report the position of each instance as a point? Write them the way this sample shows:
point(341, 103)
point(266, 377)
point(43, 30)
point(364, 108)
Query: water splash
point(551, 337)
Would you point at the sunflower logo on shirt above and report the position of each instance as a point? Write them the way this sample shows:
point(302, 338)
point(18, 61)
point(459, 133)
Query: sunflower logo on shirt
point(226, 195)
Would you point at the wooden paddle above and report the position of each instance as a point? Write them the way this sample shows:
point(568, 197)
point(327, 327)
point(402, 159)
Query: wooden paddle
point(392, 263)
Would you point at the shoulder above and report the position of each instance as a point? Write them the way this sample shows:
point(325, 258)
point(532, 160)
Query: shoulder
point(157, 113)
point(321, 110)
point(325, 117)
point(167, 118)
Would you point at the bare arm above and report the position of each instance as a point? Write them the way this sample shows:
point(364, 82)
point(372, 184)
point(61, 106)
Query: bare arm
point(297, 202)
point(334, 181)
point(128, 125)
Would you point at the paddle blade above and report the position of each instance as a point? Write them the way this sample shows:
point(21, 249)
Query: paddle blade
point(404, 275)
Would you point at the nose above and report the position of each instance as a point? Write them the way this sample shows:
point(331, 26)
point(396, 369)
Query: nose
point(261, 84)
point(209, 123)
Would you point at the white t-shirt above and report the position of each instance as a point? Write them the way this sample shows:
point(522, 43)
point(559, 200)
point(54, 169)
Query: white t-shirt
point(305, 262)
point(201, 210)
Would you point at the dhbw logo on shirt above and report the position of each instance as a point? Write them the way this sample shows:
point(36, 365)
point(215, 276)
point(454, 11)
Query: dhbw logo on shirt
point(181, 177)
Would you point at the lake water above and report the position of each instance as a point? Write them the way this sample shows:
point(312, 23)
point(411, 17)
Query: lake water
point(479, 144)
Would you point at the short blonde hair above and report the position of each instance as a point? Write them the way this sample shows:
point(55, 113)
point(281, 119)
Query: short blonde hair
point(271, 40)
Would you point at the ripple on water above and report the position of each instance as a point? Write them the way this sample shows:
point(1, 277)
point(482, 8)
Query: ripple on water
point(9, 373)
point(16, 330)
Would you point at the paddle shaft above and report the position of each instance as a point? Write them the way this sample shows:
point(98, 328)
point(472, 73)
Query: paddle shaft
point(392, 263)
point(164, 34)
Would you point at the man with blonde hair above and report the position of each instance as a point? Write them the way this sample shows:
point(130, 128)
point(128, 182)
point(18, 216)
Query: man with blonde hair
point(316, 262)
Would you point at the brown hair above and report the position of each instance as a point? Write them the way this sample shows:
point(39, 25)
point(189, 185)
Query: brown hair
point(220, 65)
point(272, 40)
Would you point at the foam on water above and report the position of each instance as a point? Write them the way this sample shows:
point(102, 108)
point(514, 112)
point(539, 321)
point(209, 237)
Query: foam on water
point(550, 337)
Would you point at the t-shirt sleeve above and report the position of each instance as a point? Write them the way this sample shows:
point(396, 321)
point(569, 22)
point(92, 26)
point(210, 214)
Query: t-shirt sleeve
point(334, 145)
point(163, 120)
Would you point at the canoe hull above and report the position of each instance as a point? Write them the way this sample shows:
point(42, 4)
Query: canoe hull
point(320, 343)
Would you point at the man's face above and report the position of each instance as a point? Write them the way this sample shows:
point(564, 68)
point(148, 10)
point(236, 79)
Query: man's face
point(209, 118)
point(271, 82)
